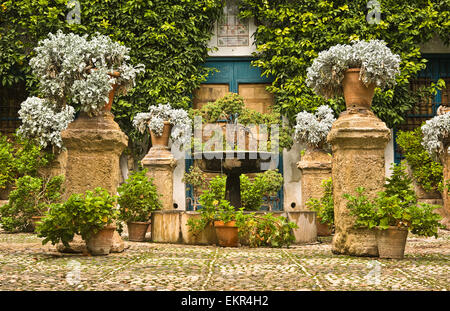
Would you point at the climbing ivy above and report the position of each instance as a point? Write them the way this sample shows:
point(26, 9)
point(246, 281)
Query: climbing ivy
point(169, 36)
point(290, 35)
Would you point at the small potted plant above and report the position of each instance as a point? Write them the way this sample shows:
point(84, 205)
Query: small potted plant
point(393, 212)
point(82, 71)
point(138, 197)
point(225, 223)
point(29, 201)
point(354, 71)
point(92, 215)
point(160, 120)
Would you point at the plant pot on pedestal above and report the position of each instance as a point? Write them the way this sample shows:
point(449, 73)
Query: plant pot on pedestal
point(356, 94)
point(227, 233)
point(391, 242)
point(100, 243)
point(137, 230)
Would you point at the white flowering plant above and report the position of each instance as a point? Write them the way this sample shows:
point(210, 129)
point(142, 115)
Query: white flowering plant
point(379, 66)
point(42, 121)
point(434, 132)
point(76, 70)
point(156, 116)
point(313, 128)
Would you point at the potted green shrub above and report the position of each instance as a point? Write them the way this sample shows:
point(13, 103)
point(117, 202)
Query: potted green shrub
point(92, 215)
point(29, 201)
point(138, 197)
point(225, 223)
point(354, 71)
point(394, 212)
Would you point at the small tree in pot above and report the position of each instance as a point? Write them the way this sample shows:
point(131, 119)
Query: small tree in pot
point(354, 71)
point(138, 197)
point(92, 215)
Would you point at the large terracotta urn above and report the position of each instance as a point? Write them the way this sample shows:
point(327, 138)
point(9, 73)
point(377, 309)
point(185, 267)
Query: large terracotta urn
point(356, 94)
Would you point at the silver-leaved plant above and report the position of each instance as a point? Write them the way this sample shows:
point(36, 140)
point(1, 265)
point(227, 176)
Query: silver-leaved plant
point(74, 69)
point(379, 66)
point(157, 115)
point(41, 121)
point(313, 128)
point(434, 132)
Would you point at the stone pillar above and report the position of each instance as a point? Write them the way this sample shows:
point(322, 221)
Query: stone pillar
point(94, 146)
point(445, 159)
point(315, 166)
point(160, 163)
point(359, 139)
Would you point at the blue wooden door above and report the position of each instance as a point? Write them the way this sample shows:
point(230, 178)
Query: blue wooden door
point(236, 73)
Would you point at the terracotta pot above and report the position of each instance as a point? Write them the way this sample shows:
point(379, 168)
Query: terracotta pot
point(137, 230)
point(101, 242)
point(227, 233)
point(108, 105)
point(163, 139)
point(35, 220)
point(356, 94)
point(323, 229)
point(391, 242)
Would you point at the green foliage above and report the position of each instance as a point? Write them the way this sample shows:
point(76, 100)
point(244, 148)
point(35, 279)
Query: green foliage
point(325, 205)
point(138, 197)
point(385, 211)
point(20, 157)
point(169, 36)
point(425, 171)
point(196, 178)
point(400, 184)
point(263, 185)
point(6, 160)
point(265, 230)
point(80, 214)
point(290, 35)
point(31, 197)
point(230, 108)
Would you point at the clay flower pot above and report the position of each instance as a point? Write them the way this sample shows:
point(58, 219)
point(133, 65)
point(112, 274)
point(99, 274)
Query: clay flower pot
point(108, 105)
point(356, 94)
point(391, 242)
point(101, 242)
point(162, 141)
point(35, 220)
point(227, 233)
point(137, 230)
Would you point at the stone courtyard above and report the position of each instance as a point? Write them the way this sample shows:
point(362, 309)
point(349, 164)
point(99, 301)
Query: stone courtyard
point(25, 264)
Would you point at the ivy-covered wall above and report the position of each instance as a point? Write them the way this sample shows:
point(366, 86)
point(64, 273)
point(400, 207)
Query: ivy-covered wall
point(291, 33)
point(169, 36)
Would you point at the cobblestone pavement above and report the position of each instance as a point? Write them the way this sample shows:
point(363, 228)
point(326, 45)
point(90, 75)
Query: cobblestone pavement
point(26, 264)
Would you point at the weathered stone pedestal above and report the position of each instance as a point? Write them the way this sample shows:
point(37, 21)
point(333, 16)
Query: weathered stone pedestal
point(94, 146)
point(160, 163)
point(359, 139)
point(315, 166)
point(445, 210)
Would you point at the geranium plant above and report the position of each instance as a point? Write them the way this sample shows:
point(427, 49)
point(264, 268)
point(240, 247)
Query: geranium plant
point(313, 128)
point(379, 66)
point(138, 197)
point(83, 214)
point(76, 70)
point(156, 116)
